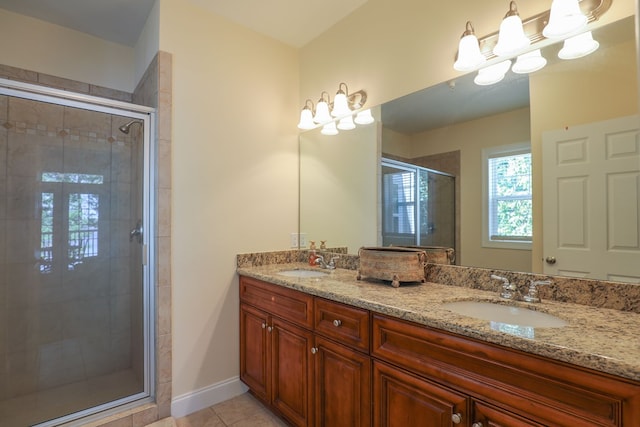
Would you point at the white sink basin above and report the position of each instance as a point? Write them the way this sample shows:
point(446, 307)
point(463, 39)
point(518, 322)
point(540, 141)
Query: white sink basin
point(303, 273)
point(505, 314)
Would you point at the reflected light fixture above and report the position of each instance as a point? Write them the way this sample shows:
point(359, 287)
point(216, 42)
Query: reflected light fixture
point(492, 74)
point(364, 117)
point(329, 129)
point(346, 123)
point(469, 55)
point(511, 38)
point(565, 18)
point(578, 46)
point(529, 62)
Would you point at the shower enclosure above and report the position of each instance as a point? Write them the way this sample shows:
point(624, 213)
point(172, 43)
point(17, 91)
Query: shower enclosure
point(418, 206)
point(75, 292)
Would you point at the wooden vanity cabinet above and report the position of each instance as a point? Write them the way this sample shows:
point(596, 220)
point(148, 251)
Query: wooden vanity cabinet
point(506, 387)
point(275, 355)
point(322, 363)
point(321, 378)
point(342, 365)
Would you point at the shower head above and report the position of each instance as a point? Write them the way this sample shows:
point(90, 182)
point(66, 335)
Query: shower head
point(125, 127)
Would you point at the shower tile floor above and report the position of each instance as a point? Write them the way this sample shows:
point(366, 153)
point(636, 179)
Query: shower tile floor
point(54, 402)
point(241, 411)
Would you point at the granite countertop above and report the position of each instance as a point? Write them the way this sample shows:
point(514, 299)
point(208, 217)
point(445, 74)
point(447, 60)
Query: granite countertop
point(602, 339)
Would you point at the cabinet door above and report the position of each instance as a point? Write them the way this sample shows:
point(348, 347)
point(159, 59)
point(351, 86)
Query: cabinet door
point(490, 416)
point(254, 351)
point(342, 386)
point(292, 372)
point(401, 400)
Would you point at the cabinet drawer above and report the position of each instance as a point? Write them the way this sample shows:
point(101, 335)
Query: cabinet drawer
point(348, 325)
point(285, 303)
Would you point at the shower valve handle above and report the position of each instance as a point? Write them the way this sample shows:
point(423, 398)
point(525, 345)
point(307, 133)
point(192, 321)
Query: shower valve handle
point(136, 232)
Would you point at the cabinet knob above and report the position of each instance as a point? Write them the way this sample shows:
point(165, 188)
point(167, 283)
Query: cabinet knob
point(476, 424)
point(314, 350)
point(264, 325)
point(550, 260)
point(456, 418)
point(337, 323)
point(270, 328)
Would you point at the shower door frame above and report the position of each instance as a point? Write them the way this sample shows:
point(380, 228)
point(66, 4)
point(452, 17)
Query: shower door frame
point(147, 115)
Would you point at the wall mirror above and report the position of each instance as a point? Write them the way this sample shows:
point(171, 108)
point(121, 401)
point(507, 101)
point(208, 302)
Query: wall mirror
point(447, 126)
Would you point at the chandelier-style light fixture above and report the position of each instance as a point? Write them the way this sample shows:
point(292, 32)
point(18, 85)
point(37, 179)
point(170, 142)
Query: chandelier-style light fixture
point(344, 105)
point(566, 20)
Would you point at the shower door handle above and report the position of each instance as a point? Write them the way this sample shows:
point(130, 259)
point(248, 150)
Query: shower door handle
point(136, 232)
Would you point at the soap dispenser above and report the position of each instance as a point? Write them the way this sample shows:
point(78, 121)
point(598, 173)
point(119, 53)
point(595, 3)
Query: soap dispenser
point(312, 253)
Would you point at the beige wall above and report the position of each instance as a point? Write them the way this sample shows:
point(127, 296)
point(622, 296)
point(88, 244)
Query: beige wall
point(36, 45)
point(470, 138)
point(234, 179)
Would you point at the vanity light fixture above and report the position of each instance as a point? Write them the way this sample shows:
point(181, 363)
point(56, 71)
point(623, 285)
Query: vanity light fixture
point(469, 55)
point(322, 109)
point(511, 38)
point(578, 46)
point(346, 123)
point(492, 74)
point(329, 129)
point(565, 18)
point(364, 117)
point(306, 116)
point(529, 62)
point(342, 108)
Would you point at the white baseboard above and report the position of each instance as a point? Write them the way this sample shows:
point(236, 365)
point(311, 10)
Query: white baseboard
point(194, 401)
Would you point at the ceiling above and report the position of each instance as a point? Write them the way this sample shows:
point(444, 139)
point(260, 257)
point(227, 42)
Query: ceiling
point(293, 22)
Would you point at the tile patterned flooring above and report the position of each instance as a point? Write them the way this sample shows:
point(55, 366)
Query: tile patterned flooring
point(241, 411)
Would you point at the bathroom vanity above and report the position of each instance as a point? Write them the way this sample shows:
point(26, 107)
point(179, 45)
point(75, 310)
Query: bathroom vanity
point(334, 351)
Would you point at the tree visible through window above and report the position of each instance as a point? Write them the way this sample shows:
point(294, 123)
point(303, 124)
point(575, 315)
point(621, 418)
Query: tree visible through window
point(509, 204)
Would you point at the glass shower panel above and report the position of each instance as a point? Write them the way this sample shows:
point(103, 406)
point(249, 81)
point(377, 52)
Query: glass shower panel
point(418, 206)
point(71, 281)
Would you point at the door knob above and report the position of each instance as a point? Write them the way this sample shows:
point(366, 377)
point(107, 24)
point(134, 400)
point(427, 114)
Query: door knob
point(550, 260)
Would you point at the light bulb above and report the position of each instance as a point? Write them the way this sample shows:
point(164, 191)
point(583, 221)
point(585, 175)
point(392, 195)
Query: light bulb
point(306, 119)
point(529, 62)
point(578, 46)
point(329, 129)
point(492, 74)
point(364, 117)
point(346, 123)
point(469, 55)
point(322, 112)
point(511, 38)
point(565, 18)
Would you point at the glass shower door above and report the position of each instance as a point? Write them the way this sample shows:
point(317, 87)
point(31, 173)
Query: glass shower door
point(418, 206)
point(72, 288)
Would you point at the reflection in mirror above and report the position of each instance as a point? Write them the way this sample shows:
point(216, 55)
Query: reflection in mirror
point(447, 127)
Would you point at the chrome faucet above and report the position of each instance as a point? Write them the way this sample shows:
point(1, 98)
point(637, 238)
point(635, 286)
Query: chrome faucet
point(509, 290)
point(532, 295)
point(321, 262)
